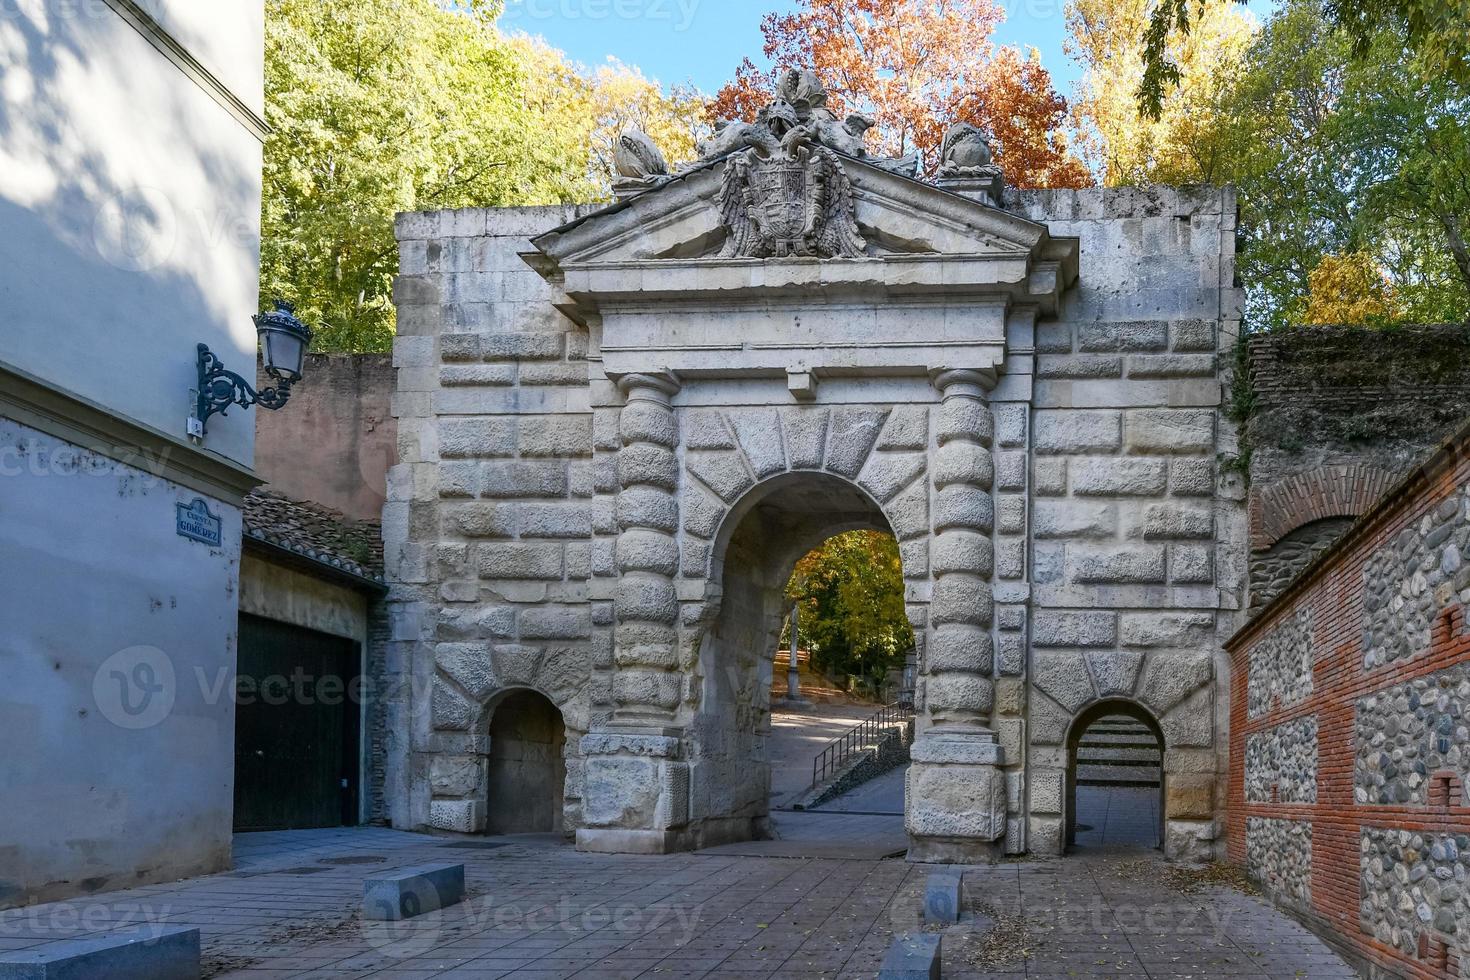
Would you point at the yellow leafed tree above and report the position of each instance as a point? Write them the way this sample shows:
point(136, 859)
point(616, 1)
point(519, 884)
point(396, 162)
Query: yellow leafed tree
point(1351, 290)
point(1186, 143)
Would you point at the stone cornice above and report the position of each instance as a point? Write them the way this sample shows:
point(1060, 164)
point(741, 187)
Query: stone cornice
point(84, 423)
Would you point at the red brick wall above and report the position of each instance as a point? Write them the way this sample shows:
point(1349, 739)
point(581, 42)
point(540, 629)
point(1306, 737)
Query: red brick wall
point(1333, 588)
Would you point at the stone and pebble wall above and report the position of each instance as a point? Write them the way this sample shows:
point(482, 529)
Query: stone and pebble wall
point(1409, 733)
point(1273, 570)
point(1409, 581)
point(1378, 626)
point(1336, 415)
point(1414, 882)
point(1281, 666)
point(1279, 856)
point(1284, 760)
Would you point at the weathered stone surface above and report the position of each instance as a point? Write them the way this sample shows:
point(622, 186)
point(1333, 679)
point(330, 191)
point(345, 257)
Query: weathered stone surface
point(1127, 477)
point(1077, 431)
point(1181, 629)
point(1074, 629)
point(1170, 677)
point(1064, 676)
point(854, 430)
point(1074, 519)
point(759, 433)
point(1168, 521)
point(1117, 564)
point(1114, 672)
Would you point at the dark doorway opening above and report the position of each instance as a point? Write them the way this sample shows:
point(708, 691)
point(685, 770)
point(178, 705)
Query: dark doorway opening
point(528, 772)
point(297, 723)
point(1115, 780)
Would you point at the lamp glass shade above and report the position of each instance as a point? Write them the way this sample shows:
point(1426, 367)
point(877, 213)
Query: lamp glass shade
point(283, 342)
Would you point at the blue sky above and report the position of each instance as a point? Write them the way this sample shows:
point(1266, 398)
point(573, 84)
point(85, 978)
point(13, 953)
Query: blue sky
point(701, 41)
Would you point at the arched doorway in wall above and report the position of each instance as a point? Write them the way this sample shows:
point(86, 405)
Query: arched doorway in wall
point(745, 765)
point(526, 777)
point(1115, 777)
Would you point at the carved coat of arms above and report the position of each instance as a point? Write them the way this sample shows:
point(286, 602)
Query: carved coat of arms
point(785, 193)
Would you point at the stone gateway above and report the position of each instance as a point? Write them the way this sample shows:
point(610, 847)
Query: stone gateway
point(621, 427)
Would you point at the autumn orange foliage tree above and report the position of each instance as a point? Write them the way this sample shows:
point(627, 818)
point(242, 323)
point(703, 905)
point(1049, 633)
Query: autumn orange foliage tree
point(916, 67)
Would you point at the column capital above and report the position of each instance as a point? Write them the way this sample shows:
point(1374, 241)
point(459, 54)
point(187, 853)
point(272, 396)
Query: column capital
point(963, 382)
point(660, 386)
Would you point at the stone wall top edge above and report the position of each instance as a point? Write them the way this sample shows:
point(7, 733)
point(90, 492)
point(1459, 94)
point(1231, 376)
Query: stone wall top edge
point(496, 222)
point(1100, 203)
point(1038, 204)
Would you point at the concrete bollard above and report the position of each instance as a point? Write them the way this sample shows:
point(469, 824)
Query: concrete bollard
point(145, 953)
point(407, 892)
point(942, 892)
point(914, 956)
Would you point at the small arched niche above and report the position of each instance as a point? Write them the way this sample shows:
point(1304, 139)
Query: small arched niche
point(526, 777)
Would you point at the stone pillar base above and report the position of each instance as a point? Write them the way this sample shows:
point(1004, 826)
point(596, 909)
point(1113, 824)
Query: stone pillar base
point(956, 806)
point(635, 795)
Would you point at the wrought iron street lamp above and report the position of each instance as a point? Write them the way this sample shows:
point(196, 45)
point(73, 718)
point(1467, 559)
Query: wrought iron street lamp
point(283, 343)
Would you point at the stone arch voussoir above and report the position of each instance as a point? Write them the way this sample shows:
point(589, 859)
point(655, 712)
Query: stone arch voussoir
point(731, 454)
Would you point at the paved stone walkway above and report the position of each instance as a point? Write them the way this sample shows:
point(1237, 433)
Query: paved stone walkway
point(540, 910)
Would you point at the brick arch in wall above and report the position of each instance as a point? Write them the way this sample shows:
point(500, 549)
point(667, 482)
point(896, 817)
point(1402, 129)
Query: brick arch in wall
point(1341, 490)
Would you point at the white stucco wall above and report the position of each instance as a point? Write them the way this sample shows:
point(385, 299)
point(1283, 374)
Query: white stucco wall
point(130, 201)
point(106, 784)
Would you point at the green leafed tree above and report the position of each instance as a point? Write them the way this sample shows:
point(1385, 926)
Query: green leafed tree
point(382, 106)
point(1340, 154)
point(850, 592)
point(1436, 31)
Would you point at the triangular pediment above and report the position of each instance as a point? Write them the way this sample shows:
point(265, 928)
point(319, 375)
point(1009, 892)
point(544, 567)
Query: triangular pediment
point(896, 215)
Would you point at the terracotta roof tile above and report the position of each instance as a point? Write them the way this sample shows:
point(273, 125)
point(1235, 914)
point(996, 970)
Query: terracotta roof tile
point(316, 532)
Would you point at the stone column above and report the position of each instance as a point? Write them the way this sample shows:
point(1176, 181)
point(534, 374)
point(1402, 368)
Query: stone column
point(636, 794)
point(956, 791)
point(647, 683)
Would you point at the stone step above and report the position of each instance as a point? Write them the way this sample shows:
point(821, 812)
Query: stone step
point(1119, 776)
point(1120, 755)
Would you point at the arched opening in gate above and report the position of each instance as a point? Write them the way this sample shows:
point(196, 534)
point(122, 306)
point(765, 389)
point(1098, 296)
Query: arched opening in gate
point(743, 766)
point(526, 777)
point(1115, 777)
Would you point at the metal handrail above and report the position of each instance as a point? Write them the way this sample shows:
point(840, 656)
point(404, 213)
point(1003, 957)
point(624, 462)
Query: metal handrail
point(859, 737)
